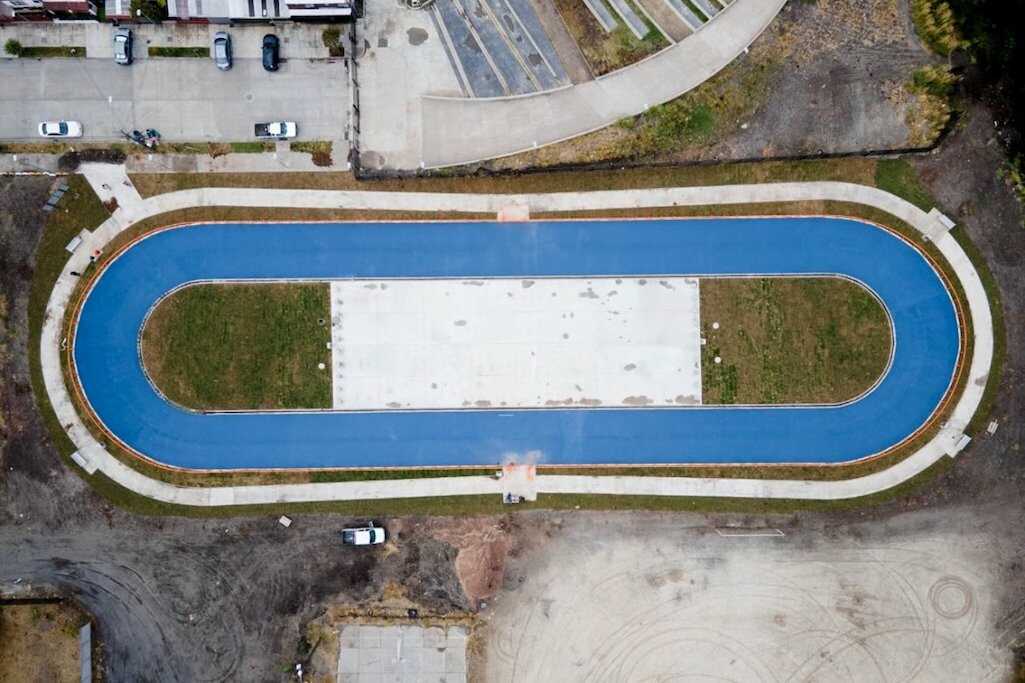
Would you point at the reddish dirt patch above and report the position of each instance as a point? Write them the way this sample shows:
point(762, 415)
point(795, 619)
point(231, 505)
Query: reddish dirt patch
point(483, 544)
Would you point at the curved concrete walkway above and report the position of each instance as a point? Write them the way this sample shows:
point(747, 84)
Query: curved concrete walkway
point(948, 442)
point(458, 130)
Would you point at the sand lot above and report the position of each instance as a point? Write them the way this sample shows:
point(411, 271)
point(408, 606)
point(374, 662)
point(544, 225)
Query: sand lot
point(679, 604)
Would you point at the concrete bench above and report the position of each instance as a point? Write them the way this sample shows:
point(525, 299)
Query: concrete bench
point(686, 14)
point(630, 18)
point(601, 12)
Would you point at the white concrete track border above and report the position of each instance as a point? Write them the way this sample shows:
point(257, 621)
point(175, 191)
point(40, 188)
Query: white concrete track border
point(92, 456)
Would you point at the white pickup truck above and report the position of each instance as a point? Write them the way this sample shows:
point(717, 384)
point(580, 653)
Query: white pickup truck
point(276, 130)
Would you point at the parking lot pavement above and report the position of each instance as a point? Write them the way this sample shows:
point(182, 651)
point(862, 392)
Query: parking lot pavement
point(185, 99)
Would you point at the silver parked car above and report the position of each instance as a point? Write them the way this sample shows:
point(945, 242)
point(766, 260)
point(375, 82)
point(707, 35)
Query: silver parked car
point(123, 46)
point(222, 50)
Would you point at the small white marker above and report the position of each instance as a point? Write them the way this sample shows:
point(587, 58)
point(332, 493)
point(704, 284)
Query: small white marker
point(718, 360)
point(321, 366)
point(715, 326)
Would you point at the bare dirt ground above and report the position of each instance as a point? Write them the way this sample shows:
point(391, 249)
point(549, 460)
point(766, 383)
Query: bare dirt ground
point(186, 599)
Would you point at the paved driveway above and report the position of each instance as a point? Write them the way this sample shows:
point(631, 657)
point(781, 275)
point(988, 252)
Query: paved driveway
point(185, 99)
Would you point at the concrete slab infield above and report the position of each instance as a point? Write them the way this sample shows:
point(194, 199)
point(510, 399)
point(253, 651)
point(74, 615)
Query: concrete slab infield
point(516, 343)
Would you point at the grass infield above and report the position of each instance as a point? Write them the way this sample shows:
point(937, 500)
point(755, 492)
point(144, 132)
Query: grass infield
point(242, 346)
point(790, 340)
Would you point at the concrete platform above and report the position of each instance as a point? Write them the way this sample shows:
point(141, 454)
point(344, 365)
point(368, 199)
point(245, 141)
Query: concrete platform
point(497, 343)
point(401, 653)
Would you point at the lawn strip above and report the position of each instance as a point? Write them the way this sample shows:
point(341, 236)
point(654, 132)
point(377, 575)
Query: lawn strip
point(52, 52)
point(180, 52)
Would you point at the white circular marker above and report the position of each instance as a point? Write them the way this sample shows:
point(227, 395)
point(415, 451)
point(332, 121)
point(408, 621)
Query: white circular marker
point(718, 360)
point(715, 326)
point(321, 366)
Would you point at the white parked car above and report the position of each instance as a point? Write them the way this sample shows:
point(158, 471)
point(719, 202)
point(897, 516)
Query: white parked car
point(275, 130)
point(60, 129)
point(364, 535)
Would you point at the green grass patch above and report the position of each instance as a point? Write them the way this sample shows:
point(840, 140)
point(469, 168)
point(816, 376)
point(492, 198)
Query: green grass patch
point(183, 52)
point(242, 346)
point(254, 147)
point(899, 177)
point(790, 340)
point(52, 51)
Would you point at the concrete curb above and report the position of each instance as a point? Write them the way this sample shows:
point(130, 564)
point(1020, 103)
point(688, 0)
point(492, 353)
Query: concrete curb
point(948, 442)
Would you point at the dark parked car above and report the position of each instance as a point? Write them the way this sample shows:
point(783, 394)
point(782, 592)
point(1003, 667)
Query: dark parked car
point(270, 52)
point(123, 46)
point(222, 50)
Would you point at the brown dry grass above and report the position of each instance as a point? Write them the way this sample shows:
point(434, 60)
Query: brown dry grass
point(40, 642)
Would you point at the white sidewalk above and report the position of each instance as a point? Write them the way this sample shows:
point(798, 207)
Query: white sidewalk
point(948, 442)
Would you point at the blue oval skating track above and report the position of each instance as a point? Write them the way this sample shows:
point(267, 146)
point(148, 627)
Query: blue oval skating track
point(924, 320)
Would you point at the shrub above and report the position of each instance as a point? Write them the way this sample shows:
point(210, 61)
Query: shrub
point(332, 38)
point(935, 80)
point(934, 22)
point(13, 47)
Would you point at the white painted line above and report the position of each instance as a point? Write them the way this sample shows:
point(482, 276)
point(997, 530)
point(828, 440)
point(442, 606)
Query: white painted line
point(337, 347)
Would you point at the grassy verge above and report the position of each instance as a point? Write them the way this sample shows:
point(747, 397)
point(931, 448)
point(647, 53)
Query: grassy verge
point(790, 340)
point(79, 209)
point(855, 170)
point(989, 283)
point(242, 346)
point(186, 52)
point(492, 505)
point(47, 52)
point(255, 147)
